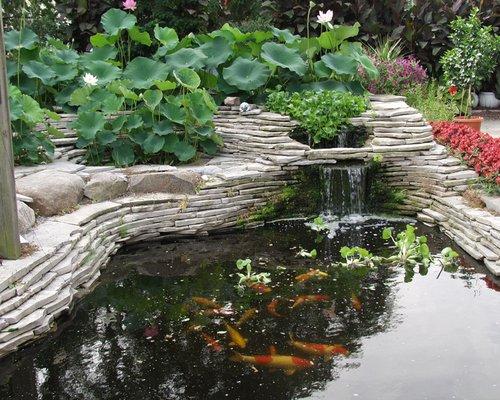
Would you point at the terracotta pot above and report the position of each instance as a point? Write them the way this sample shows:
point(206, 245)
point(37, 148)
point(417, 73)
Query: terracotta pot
point(473, 122)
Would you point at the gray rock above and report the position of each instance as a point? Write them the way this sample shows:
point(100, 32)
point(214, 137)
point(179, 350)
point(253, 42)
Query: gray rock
point(106, 186)
point(492, 203)
point(53, 192)
point(178, 182)
point(26, 217)
point(232, 101)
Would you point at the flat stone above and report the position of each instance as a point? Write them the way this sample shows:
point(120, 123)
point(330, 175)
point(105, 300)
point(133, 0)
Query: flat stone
point(142, 169)
point(24, 199)
point(492, 203)
point(493, 267)
point(88, 212)
point(25, 216)
point(176, 182)
point(53, 192)
point(52, 234)
point(106, 186)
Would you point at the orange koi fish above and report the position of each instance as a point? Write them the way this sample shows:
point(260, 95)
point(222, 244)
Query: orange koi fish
point(205, 303)
point(356, 302)
point(211, 342)
point(271, 308)
point(247, 315)
point(312, 273)
point(309, 299)
point(260, 288)
point(272, 350)
point(288, 364)
point(236, 337)
point(318, 349)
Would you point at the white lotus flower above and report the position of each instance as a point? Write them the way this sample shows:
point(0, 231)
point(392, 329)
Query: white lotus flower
point(325, 18)
point(90, 79)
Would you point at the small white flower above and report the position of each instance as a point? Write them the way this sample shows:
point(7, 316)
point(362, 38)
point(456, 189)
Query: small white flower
point(325, 18)
point(90, 79)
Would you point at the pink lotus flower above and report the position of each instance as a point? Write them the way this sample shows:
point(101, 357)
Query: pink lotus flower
point(129, 5)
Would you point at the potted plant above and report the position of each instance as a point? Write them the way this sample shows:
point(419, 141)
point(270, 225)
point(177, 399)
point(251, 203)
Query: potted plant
point(472, 60)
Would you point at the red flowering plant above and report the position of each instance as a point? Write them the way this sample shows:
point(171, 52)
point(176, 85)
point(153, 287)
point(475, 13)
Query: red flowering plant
point(479, 150)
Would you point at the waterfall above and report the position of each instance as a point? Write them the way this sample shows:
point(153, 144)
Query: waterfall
point(344, 189)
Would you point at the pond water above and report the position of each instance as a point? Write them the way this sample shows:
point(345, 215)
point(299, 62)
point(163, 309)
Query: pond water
point(137, 335)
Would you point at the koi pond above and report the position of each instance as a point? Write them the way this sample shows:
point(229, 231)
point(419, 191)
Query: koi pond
point(167, 322)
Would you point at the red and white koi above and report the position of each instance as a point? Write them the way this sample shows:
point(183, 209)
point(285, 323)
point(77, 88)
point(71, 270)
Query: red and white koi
point(319, 349)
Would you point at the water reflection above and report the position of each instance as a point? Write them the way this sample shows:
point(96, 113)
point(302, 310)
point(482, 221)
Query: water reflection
point(432, 338)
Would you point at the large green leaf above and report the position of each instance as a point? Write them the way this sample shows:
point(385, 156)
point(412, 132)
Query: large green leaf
point(187, 78)
point(64, 72)
point(103, 71)
point(217, 51)
point(112, 104)
point(246, 74)
point(185, 58)
point(23, 39)
point(81, 96)
point(163, 128)
point(115, 20)
point(199, 107)
point(282, 56)
point(32, 113)
point(333, 38)
point(166, 36)
point(100, 54)
point(152, 98)
point(88, 124)
point(153, 144)
point(101, 40)
point(143, 72)
point(184, 151)
point(140, 37)
point(284, 35)
point(36, 69)
point(165, 85)
point(170, 143)
point(123, 152)
point(340, 64)
point(173, 112)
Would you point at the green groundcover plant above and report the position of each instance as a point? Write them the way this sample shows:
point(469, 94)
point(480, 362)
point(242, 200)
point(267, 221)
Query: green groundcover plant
point(320, 114)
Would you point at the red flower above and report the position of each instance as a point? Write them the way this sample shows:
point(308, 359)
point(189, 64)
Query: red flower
point(452, 90)
point(479, 150)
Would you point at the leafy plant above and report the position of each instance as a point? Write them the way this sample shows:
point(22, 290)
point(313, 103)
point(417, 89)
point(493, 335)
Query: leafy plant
point(473, 57)
point(31, 145)
point(250, 277)
point(320, 114)
point(318, 225)
point(412, 250)
point(395, 76)
point(387, 49)
point(308, 254)
point(432, 100)
point(356, 257)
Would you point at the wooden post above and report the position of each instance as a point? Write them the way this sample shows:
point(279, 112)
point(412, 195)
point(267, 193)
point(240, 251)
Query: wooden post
point(9, 230)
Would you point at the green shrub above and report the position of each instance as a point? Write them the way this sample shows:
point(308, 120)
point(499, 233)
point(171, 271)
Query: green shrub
point(433, 101)
point(31, 146)
point(321, 114)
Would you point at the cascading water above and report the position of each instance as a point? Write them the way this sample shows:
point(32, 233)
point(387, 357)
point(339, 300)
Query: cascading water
point(344, 189)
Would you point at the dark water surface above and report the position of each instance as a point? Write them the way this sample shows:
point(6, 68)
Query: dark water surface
point(432, 338)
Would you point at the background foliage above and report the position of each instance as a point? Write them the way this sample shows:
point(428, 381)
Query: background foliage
point(423, 24)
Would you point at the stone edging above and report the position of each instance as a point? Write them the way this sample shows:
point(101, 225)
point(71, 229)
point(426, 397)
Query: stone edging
point(254, 165)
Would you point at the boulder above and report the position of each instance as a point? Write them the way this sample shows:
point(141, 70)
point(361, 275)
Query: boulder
point(106, 186)
point(232, 101)
point(176, 182)
point(25, 216)
point(53, 192)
